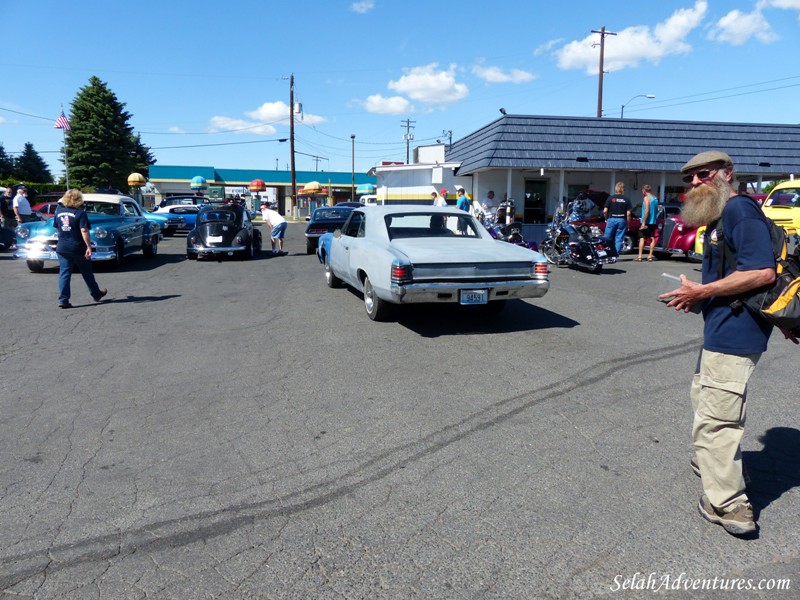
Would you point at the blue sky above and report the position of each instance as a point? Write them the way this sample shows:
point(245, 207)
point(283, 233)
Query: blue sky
point(207, 82)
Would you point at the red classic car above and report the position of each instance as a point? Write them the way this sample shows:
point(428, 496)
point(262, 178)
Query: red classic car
point(673, 236)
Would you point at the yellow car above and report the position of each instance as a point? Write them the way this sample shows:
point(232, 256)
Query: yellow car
point(783, 205)
point(697, 254)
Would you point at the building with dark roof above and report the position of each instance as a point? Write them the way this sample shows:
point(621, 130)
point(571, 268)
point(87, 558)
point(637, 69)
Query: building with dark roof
point(544, 160)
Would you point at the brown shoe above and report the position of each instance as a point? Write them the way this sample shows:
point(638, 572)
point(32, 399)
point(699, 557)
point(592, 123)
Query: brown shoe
point(739, 521)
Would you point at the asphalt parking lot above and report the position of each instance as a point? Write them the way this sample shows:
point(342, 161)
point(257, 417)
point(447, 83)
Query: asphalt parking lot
point(236, 429)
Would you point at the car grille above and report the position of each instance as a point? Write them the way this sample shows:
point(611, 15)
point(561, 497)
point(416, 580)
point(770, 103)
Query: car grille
point(666, 234)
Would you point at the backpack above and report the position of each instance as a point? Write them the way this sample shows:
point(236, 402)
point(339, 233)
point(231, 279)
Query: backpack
point(779, 302)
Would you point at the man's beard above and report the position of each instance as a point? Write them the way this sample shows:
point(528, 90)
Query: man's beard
point(706, 202)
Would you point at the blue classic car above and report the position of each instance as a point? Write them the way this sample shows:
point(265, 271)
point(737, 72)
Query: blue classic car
point(181, 212)
point(119, 227)
point(410, 254)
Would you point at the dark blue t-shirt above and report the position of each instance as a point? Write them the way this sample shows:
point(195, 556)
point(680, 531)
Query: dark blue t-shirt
point(68, 223)
point(727, 330)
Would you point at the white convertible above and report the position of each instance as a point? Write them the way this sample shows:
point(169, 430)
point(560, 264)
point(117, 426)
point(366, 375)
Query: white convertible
point(409, 254)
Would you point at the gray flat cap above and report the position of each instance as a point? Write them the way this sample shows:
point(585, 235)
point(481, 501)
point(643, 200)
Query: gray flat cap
point(706, 158)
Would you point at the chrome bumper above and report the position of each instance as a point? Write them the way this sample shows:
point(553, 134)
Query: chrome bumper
point(37, 252)
point(449, 292)
point(217, 249)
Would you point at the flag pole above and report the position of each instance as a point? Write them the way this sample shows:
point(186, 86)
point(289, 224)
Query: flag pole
point(66, 157)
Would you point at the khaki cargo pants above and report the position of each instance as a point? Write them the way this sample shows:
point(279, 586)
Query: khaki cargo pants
point(719, 390)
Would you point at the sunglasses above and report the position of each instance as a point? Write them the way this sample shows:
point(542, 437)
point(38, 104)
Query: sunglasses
point(701, 175)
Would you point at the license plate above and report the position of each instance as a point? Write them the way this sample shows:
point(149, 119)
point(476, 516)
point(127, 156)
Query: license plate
point(474, 296)
point(214, 239)
point(601, 253)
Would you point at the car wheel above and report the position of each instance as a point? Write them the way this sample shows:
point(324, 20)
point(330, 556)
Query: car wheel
point(376, 308)
point(151, 250)
point(627, 245)
point(332, 280)
point(249, 252)
point(257, 248)
point(37, 266)
point(191, 255)
point(310, 248)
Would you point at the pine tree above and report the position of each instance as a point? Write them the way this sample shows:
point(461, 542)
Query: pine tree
point(29, 166)
point(102, 148)
point(6, 164)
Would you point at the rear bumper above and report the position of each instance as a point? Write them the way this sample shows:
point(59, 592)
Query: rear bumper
point(203, 250)
point(449, 291)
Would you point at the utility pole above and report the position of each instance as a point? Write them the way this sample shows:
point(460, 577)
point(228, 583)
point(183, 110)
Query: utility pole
point(291, 137)
point(353, 167)
point(603, 33)
point(408, 136)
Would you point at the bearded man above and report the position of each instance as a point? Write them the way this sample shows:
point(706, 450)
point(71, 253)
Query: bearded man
point(733, 338)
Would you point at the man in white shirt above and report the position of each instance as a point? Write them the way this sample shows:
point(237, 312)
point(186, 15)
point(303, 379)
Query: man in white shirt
point(21, 206)
point(277, 225)
point(488, 203)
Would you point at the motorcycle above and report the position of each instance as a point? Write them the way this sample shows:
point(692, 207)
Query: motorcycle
point(567, 245)
point(501, 226)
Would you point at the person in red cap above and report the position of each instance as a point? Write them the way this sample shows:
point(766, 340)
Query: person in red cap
point(439, 200)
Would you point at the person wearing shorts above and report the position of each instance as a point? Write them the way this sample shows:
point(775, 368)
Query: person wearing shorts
point(277, 225)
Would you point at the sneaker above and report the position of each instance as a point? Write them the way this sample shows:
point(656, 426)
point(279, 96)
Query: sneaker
point(739, 521)
point(64, 305)
point(101, 295)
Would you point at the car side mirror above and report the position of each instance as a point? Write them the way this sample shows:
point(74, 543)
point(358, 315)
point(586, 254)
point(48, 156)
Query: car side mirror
point(308, 217)
point(337, 233)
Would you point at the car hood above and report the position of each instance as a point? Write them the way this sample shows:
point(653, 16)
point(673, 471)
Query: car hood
point(463, 250)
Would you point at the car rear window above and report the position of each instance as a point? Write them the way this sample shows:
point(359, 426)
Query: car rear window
point(217, 215)
point(425, 225)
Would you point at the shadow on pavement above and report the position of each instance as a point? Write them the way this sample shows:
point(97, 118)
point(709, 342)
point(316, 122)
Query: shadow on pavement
point(775, 469)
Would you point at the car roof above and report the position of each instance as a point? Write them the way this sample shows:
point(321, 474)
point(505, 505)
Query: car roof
point(107, 198)
point(401, 209)
point(792, 183)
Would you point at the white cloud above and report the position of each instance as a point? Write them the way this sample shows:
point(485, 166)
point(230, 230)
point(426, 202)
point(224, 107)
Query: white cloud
point(789, 4)
point(736, 28)
point(497, 75)
point(396, 105)
point(175, 129)
point(278, 112)
point(635, 44)
point(430, 85)
point(547, 47)
point(362, 7)
point(239, 125)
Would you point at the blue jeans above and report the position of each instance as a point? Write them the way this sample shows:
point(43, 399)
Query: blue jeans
point(615, 230)
point(68, 262)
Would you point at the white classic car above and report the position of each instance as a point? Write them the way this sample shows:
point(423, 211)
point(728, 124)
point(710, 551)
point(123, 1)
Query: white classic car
point(410, 254)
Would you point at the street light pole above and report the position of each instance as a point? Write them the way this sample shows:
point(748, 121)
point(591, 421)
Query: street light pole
point(622, 110)
point(353, 167)
point(291, 138)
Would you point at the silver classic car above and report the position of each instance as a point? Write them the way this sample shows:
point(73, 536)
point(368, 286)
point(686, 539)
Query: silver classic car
point(411, 254)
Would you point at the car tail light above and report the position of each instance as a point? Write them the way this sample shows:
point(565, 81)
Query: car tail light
point(239, 240)
point(539, 270)
point(317, 231)
point(193, 239)
point(401, 274)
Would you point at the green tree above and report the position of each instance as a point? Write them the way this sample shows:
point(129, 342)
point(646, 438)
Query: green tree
point(102, 148)
point(29, 166)
point(6, 164)
point(144, 158)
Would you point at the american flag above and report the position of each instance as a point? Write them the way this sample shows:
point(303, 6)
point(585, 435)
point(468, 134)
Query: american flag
point(62, 122)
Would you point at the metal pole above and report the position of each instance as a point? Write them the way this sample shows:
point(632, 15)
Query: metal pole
point(66, 157)
point(291, 138)
point(353, 167)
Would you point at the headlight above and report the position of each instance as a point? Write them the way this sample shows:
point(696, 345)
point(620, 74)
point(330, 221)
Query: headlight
point(22, 232)
point(100, 233)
